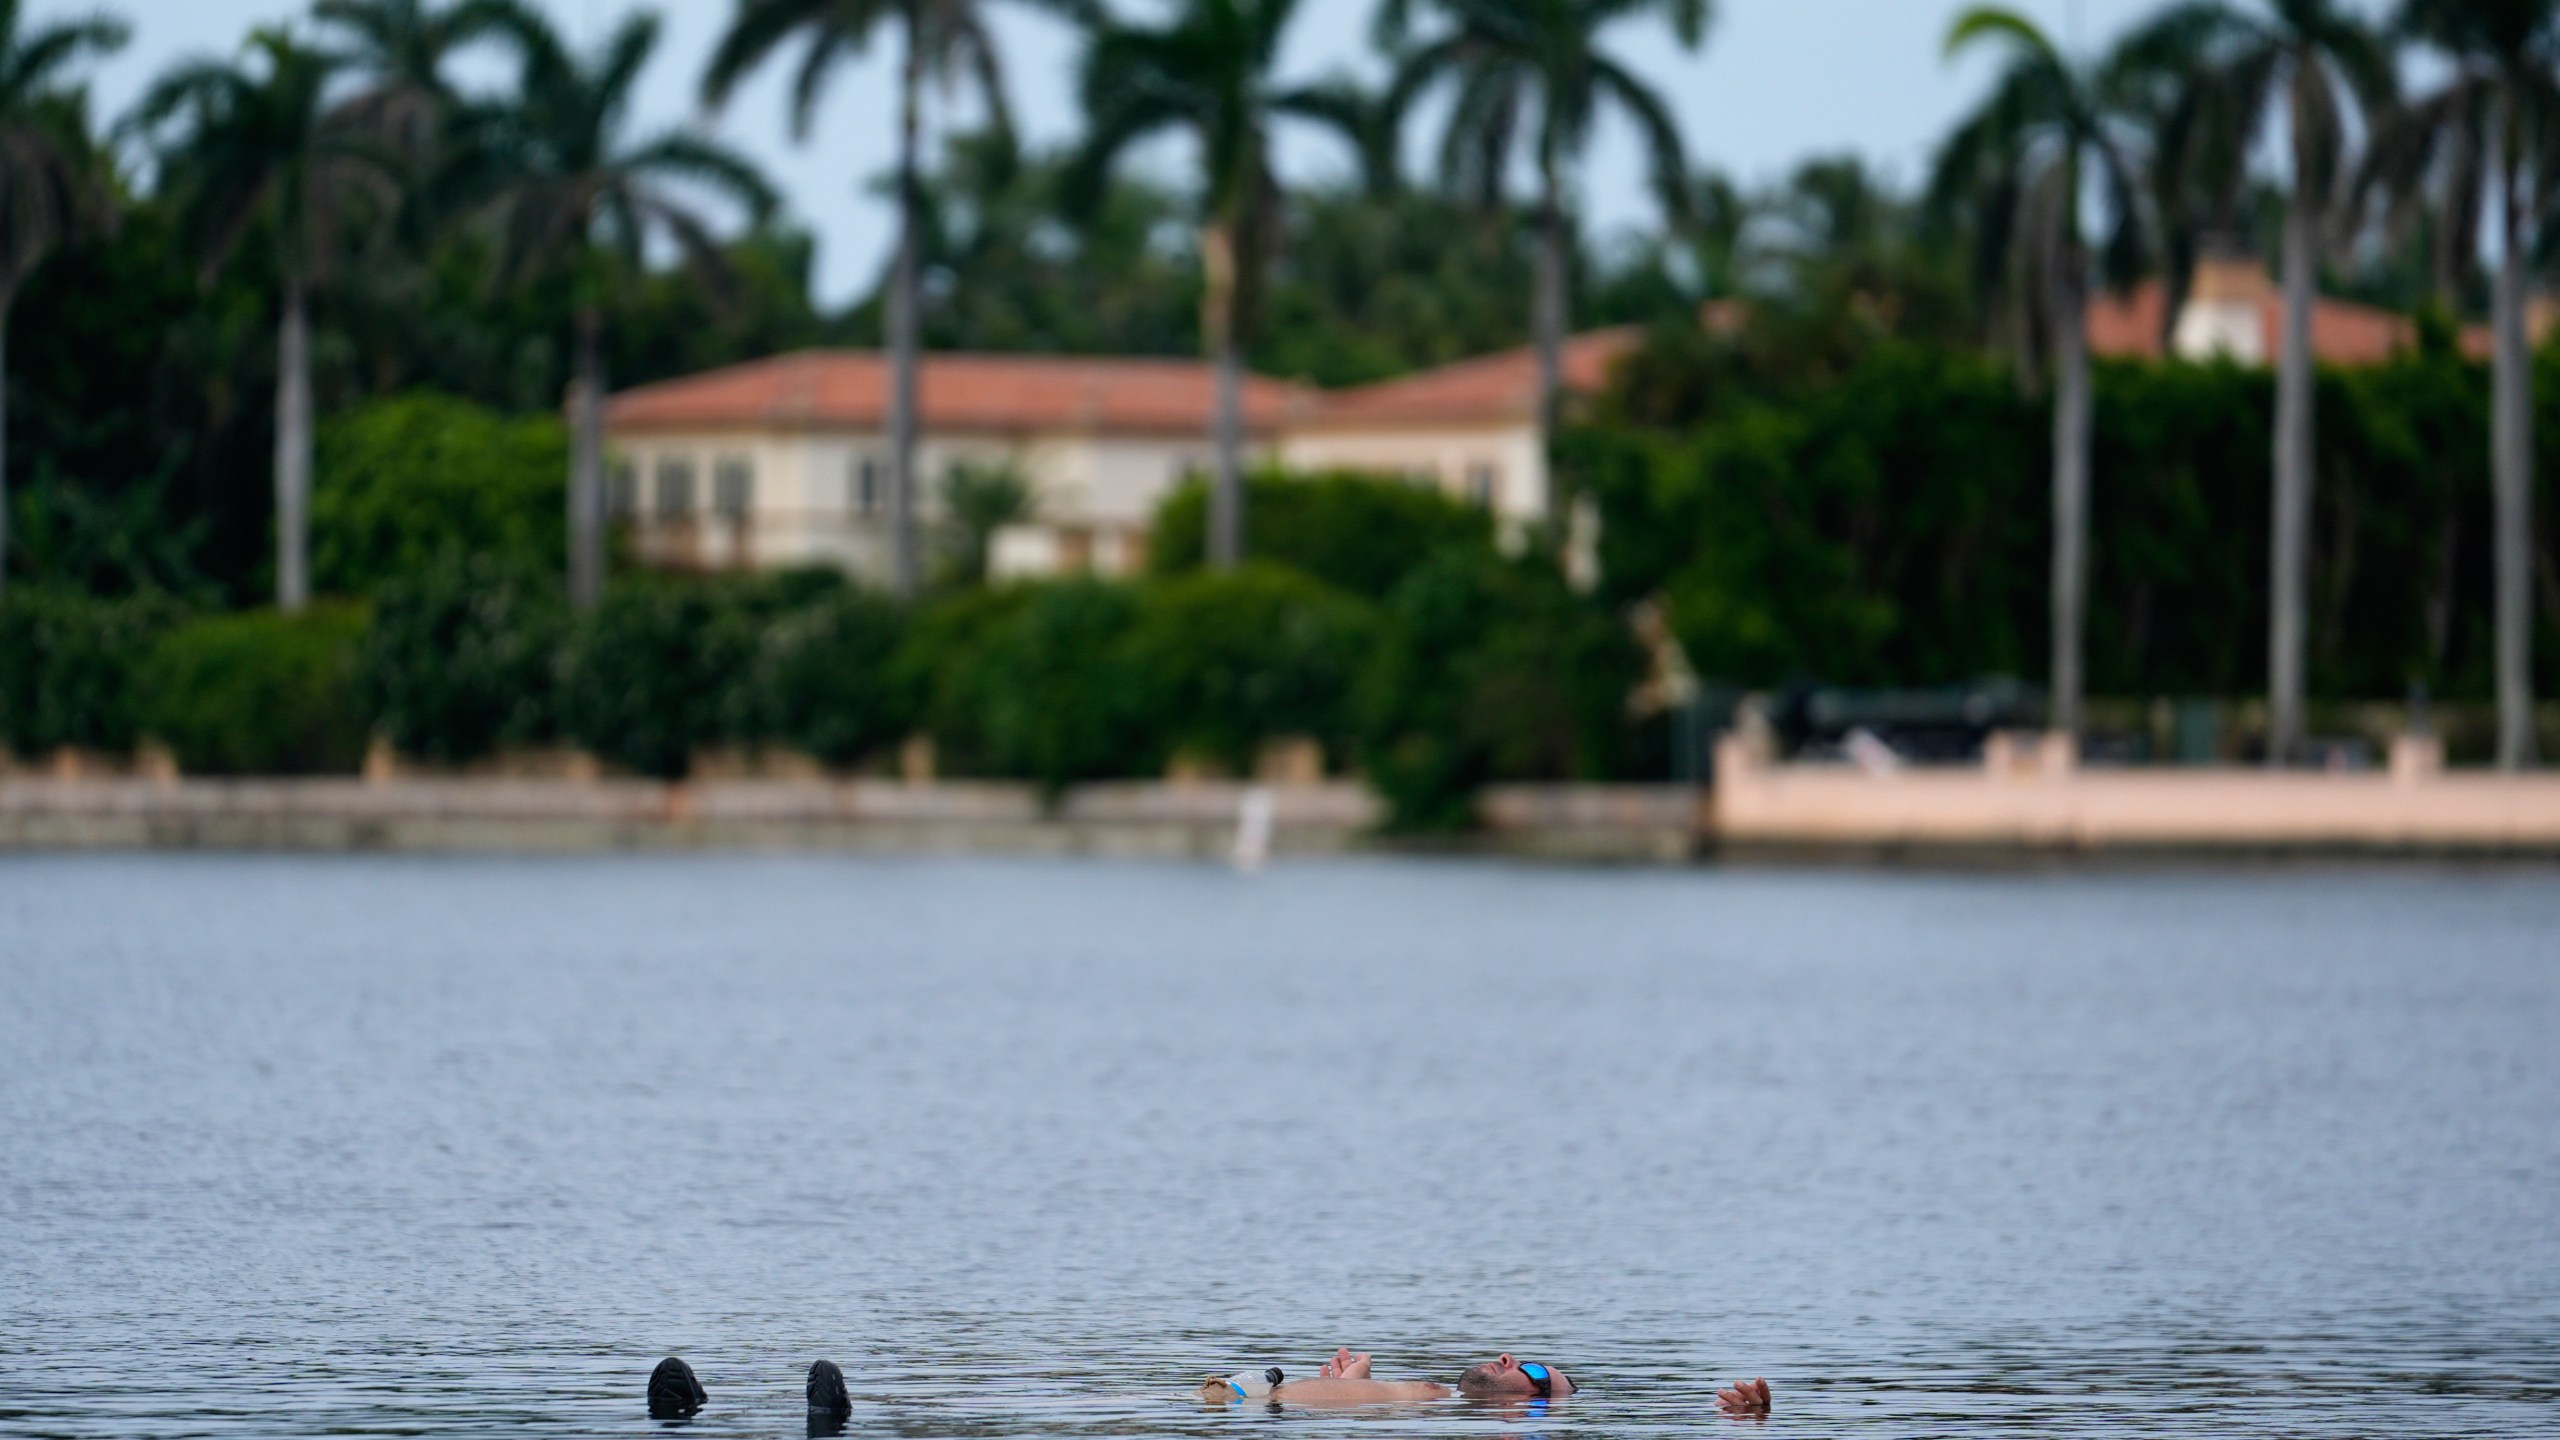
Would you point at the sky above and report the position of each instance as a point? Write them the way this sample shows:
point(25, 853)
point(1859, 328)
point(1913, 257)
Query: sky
point(1778, 81)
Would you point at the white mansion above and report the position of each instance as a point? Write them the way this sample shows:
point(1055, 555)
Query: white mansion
point(783, 461)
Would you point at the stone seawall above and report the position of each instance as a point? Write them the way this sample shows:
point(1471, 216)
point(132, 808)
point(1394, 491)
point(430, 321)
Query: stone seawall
point(2032, 796)
point(1195, 820)
point(2020, 803)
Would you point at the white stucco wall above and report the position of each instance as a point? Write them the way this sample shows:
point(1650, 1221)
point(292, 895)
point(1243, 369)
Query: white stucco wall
point(1094, 495)
point(1452, 460)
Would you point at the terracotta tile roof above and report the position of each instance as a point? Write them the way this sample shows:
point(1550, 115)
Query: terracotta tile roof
point(955, 392)
point(2127, 327)
point(1498, 387)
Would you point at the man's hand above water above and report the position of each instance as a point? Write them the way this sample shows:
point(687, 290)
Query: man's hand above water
point(1746, 1398)
point(1346, 1366)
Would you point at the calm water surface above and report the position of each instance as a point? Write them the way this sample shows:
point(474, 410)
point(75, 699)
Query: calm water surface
point(383, 1146)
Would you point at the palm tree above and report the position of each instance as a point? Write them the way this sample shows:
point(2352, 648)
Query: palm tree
point(402, 47)
point(1206, 71)
point(575, 199)
point(944, 38)
point(263, 143)
point(50, 182)
point(2023, 160)
point(2307, 59)
point(2468, 148)
point(1506, 60)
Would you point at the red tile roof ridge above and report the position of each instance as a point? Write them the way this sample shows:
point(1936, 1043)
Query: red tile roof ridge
point(962, 390)
point(1498, 386)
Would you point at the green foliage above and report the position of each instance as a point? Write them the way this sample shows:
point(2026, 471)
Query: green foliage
point(403, 479)
point(1888, 522)
point(462, 657)
point(1879, 528)
point(980, 499)
point(1370, 287)
point(105, 540)
point(259, 692)
point(1033, 682)
point(1232, 660)
point(1358, 533)
point(935, 688)
point(1490, 670)
point(68, 667)
point(824, 678)
point(653, 671)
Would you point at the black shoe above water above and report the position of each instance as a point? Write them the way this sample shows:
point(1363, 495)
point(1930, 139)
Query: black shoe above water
point(826, 1389)
point(673, 1392)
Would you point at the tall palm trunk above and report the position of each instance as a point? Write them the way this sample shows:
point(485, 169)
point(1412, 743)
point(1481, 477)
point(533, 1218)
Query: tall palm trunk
point(2070, 484)
point(904, 300)
point(293, 448)
point(2287, 572)
point(2511, 454)
point(1550, 303)
point(1221, 286)
point(586, 463)
point(8, 300)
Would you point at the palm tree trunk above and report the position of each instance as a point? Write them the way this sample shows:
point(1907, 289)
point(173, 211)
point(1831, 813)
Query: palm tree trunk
point(1549, 318)
point(8, 300)
point(2511, 454)
point(2287, 573)
point(2070, 488)
point(905, 284)
point(293, 449)
point(1218, 331)
point(586, 463)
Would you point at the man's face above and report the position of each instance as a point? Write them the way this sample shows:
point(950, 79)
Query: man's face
point(1509, 1378)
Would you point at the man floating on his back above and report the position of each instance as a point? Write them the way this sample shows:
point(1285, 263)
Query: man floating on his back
point(1346, 1380)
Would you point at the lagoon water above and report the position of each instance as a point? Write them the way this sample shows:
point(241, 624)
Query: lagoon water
point(367, 1146)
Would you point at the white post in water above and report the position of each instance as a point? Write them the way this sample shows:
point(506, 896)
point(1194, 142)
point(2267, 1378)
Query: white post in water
point(1253, 829)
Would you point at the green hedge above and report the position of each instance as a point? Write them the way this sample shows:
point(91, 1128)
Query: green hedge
point(1359, 533)
point(69, 667)
point(401, 481)
point(1490, 671)
point(1035, 682)
point(823, 681)
point(1229, 661)
point(1889, 524)
point(653, 672)
point(259, 693)
point(463, 657)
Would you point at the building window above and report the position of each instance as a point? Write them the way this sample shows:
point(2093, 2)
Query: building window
point(867, 484)
point(675, 488)
point(1480, 484)
point(733, 488)
point(622, 490)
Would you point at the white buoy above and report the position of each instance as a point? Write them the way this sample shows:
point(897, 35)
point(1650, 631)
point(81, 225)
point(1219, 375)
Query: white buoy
point(1253, 829)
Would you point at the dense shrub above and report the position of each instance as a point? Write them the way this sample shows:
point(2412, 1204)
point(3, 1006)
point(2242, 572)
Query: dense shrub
point(655, 670)
point(1229, 661)
point(399, 481)
point(463, 657)
point(1891, 524)
point(823, 678)
point(935, 691)
point(1885, 528)
point(259, 693)
point(68, 667)
point(1491, 670)
point(1035, 682)
point(1359, 533)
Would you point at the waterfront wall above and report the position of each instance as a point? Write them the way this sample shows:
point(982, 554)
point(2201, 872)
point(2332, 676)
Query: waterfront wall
point(1166, 820)
point(2033, 796)
point(2029, 799)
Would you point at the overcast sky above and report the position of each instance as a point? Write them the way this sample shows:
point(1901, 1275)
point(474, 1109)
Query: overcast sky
point(1778, 80)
